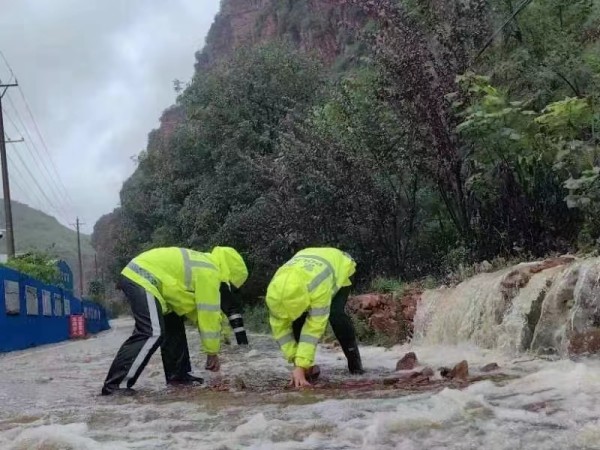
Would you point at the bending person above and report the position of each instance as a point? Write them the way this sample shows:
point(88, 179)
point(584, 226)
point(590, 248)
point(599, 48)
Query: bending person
point(162, 286)
point(305, 293)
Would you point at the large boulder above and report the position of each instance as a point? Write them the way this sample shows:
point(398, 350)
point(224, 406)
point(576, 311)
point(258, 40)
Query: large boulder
point(407, 362)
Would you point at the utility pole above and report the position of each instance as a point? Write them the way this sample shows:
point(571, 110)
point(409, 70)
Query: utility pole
point(10, 237)
point(79, 256)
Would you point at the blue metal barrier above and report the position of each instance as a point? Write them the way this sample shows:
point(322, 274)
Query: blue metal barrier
point(33, 313)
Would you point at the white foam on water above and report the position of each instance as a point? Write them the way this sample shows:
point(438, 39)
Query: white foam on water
point(59, 437)
point(550, 405)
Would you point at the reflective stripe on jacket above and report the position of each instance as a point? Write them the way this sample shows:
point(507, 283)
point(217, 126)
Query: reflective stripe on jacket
point(306, 283)
point(185, 282)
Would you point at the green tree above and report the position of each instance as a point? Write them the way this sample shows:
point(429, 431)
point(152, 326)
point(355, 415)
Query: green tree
point(37, 265)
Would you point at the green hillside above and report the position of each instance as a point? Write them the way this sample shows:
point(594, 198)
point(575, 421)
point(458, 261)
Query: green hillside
point(35, 230)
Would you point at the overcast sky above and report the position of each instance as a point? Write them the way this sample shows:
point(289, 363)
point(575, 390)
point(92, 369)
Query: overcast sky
point(97, 75)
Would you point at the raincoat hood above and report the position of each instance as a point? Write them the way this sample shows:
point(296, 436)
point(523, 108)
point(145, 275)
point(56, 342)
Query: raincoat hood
point(287, 295)
point(231, 264)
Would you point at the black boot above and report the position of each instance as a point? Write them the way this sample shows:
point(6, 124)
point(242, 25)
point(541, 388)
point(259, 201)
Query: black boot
point(112, 390)
point(186, 380)
point(354, 362)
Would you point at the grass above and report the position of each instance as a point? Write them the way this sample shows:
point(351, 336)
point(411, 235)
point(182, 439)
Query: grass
point(388, 286)
point(256, 319)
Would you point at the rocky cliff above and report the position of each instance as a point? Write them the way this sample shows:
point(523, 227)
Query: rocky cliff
point(317, 26)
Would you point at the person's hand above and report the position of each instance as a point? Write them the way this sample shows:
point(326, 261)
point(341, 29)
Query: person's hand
point(299, 378)
point(212, 363)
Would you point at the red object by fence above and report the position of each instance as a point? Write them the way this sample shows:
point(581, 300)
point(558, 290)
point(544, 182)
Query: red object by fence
point(77, 326)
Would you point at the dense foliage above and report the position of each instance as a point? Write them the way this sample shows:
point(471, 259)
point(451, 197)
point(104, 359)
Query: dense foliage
point(437, 147)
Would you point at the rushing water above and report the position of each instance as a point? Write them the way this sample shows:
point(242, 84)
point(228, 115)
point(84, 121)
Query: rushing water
point(50, 401)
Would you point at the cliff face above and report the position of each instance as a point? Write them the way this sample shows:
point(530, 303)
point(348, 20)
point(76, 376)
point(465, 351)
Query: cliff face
point(310, 25)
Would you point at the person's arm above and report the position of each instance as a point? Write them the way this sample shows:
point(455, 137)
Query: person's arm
point(284, 336)
point(208, 308)
point(312, 331)
point(229, 305)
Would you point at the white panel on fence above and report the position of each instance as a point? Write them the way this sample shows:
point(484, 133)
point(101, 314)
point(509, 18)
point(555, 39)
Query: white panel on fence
point(67, 307)
point(58, 309)
point(11, 297)
point(33, 308)
point(46, 303)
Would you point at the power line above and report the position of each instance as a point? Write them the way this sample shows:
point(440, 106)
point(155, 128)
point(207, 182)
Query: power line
point(8, 65)
point(16, 182)
point(45, 147)
point(60, 210)
point(42, 191)
point(60, 183)
point(37, 129)
point(51, 203)
point(33, 201)
point(38, 160)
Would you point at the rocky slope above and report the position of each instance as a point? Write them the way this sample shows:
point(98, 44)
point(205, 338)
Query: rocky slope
point(547, 307)
point(310, 25)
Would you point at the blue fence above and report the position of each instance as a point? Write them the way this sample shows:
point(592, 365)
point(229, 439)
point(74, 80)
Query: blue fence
point(33, 313)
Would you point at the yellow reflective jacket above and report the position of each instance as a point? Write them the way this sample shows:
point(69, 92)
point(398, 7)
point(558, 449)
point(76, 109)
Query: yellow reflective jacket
point(307, 282)
point(187, 283)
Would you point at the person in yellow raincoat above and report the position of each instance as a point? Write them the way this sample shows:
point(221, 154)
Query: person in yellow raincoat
point(163, 286)
point(308, 291)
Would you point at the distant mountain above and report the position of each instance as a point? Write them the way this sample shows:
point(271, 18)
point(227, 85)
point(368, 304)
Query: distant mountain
point(36, 230)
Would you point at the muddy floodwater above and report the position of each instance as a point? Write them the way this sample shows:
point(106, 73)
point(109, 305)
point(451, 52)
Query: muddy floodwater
point(50, 400)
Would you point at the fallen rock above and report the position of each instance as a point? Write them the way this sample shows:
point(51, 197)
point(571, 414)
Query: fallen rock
point(391, 381)
point(408, 362)
point(490, 367)
point(460, 371)
point(553, 262)
point(384, 323)
point(364, 305)
point(312, 374)
point(520, 276)
point(387, 315)
point(427, 372)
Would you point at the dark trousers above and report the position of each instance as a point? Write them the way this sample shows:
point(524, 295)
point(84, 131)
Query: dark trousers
point(152, 330)
point(230, 306)
point(340, 323)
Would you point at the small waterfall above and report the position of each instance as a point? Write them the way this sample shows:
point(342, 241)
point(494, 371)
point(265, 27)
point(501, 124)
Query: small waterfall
point(466, 312)
point(551, 306)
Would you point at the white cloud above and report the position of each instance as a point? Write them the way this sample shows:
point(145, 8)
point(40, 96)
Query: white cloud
point(97, 76)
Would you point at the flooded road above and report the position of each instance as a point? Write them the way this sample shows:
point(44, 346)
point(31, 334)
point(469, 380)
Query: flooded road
point(50, 401)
